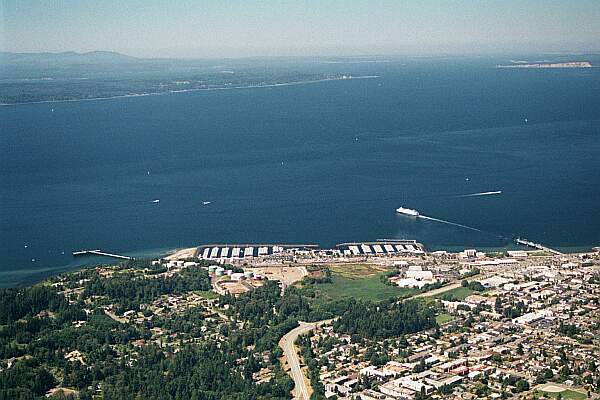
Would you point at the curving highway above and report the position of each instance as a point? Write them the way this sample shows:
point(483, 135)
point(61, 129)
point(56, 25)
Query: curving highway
point(300, 391)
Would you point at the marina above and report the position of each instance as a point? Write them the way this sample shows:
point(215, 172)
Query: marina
point(381, 247)
point(245, 250)
point(232, 252)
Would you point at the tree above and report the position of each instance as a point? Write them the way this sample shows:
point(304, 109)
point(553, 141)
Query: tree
point(522, 385)
point(520, 349)
point(482, 390)
point(544, 375)
point(385, 319)
point(445, 389)
point(498, 305)
point(420, 367)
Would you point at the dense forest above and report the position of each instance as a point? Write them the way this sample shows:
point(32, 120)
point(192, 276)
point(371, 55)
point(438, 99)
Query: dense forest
point(40, 329)
point(208, 372)
point(129, 290)
point(385, 319)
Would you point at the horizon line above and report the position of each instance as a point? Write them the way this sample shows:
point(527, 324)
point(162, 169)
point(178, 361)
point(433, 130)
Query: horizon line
point(316, 55)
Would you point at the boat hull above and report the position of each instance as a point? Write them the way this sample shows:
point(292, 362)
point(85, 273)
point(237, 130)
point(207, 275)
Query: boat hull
point(407, 211)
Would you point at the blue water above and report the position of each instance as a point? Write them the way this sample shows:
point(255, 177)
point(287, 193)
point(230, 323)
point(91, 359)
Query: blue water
point(318, 163)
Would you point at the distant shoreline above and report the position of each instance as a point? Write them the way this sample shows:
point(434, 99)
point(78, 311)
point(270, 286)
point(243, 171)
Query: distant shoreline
point(563, 65)
point(343, 78)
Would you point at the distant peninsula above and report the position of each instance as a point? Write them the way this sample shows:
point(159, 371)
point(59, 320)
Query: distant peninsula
point(71, 76)
point(570, 64)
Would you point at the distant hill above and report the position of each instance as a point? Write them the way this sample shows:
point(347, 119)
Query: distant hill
point(65, 58)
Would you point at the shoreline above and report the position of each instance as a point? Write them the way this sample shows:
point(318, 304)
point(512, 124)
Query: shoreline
point(33, 277)
point(567, 250)
point(347, 78)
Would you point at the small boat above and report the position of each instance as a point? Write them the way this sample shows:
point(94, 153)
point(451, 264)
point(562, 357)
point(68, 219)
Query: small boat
point(407, 211)
point(205, 203)
point(156, 201)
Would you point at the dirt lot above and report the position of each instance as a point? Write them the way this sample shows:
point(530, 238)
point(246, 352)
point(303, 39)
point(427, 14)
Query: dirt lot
point(285, 274)
point(234, 287)
point(354, 271)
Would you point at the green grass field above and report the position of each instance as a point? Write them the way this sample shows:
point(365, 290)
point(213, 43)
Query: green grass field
point(359, 281)
point(444, 318)
point(567, 394)
point(207, 294)
point(460, 293)
point(367, 288)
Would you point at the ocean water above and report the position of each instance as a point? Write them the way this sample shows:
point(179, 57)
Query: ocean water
point(318, 163)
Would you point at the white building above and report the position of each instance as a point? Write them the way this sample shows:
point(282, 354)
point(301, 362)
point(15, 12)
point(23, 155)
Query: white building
point(416, 277)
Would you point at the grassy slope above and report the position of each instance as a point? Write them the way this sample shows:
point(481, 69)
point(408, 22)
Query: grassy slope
point(367, 288)
point(444, 318)
point(460, 293)
point(207, 294)
point(568, 394)
point(359, 281)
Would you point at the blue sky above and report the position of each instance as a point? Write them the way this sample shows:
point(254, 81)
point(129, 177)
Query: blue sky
point(207, 28)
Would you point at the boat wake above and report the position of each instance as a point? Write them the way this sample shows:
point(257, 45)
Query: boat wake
point(481, 194)
point(450, 223)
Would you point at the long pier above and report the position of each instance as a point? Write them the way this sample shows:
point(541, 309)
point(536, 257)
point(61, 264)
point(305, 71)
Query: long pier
point(99, 252)
point(538, 246)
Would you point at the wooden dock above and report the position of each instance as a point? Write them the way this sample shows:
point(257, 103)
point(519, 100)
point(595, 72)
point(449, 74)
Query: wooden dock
point(99, 252)
point(538, 246)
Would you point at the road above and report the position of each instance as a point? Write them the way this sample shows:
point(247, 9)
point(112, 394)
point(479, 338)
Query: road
point(449, 287)
point(114, 316)
point(300, 391)
point(435, 292)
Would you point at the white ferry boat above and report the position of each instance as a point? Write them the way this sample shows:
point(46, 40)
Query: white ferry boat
point(407, 211)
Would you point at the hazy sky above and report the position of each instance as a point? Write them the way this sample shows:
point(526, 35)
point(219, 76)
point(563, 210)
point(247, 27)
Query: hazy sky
point(243, 28)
